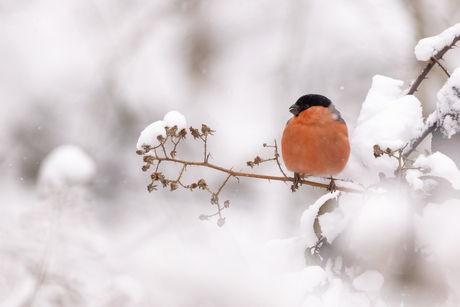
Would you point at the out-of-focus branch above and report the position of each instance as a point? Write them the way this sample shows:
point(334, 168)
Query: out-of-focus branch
point(434, 60)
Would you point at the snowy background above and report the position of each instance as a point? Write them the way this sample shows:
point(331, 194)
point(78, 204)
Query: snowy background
point(79, 82)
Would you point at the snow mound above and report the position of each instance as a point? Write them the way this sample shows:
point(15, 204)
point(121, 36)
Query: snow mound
point(428, 47)
point(388, 119)
point(448, 106)
point(66, 166)
point(149, 135)
point(439, 165)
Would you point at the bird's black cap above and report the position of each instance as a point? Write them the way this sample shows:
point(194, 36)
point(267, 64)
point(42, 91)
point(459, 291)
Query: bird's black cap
point(308, 101)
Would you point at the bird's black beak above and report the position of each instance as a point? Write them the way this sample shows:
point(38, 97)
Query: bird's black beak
point(294, 109)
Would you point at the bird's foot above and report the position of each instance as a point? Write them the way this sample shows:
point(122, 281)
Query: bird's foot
point(331, 187)
point(297, 182)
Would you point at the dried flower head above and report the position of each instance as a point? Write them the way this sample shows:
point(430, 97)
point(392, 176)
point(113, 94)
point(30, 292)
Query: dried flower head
point(195, 133)
point(206, 130)
point(202, 184)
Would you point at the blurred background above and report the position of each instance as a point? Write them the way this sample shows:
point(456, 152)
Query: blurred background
point(95, 73)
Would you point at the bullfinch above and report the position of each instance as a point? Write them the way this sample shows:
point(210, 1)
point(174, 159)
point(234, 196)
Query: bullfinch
point(315, 140)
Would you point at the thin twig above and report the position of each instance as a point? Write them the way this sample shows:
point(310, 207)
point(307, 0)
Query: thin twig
point(258, 176)
point(440, 65)
point(417, 141)
point(430, 65)
point(434, 59)
point(278, 161)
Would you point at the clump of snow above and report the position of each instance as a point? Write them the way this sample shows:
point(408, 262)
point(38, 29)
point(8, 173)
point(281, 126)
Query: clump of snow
point(66, 166)
point(377, 229)
point(428, 47)
point(413, 178)
point(369, 281)
point(149, 135)
point(439, 165)
point(309, 216)
point(437, 233)
point(388, 119)
point(335, 222)
point(448, 105)
point(174, 118)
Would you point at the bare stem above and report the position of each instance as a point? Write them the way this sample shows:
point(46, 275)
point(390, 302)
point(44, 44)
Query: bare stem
point(430, 65)
point(258, 176)
point(440, 65)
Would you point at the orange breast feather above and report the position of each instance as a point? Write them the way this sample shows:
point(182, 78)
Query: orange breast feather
point(315, 144)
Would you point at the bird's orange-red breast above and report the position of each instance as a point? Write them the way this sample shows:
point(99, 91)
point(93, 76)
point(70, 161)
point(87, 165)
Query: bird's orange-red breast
point(315, 140)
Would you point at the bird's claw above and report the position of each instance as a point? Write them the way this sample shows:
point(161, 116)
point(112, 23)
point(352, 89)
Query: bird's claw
point(297, 182)
point(332, 187)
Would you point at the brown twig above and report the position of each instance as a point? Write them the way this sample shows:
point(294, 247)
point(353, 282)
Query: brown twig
point(430, 65)
point(440, 65)
point(434, 60)
point(258, 176)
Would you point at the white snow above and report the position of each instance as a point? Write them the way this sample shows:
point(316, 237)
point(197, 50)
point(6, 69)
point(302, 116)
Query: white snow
point(388, 120)
point(428, 47)
point(174, 118)
point(369, 281)
point(149, 135)
point(437, 233)
point(151, 132)
point(66, 166)
point(335, 222)
point(309, 216)
point(378, 226)
point(439, 165)
point(448, 105)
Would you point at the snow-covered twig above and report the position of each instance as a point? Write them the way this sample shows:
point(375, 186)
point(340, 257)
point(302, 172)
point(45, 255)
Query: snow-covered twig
point(448, 39)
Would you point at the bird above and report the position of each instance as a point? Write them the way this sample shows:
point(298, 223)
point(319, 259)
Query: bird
point(315, 140)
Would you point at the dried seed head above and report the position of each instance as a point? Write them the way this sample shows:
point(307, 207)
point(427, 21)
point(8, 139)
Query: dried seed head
point(174, 186)
point(377, 151)
point(389, 152)
point(206, 130)
point(157, 176)
point(161, 139)
point(182, 134)
point(173, 154)
point(250, 163)
point(221, 222)
point(140, 152)
point(195, 133)
point(148, 159)
point(214, 199)
point(145, 167)
point(227, 203)
point(171, 131)
point(193, 186)
point(202, 184)
point(204, 217)
point(151, 187)
point(146, 148)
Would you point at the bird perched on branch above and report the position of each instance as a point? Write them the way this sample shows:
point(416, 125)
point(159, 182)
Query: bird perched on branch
point(315, 140)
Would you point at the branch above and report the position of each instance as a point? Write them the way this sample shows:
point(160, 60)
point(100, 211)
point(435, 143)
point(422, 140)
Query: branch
point(430, 65)
point(429, 129)
point(434, 60)
point(258, 176)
